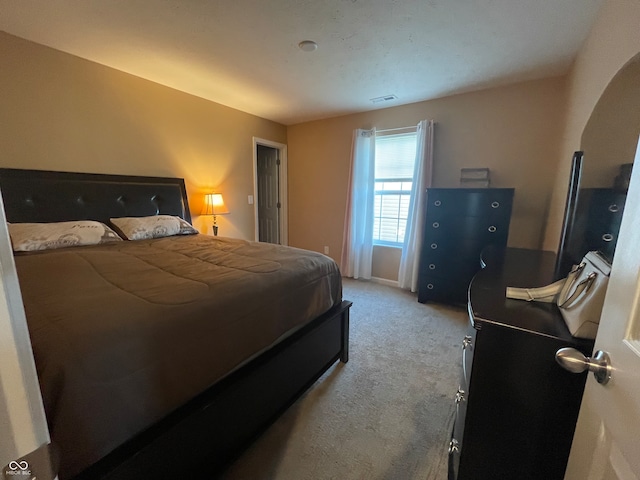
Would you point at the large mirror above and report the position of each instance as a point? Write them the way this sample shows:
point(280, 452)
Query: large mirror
point(602, 170)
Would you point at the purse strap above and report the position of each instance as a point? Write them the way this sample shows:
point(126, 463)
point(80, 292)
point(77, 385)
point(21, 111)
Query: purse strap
point(545, 294)
point(581, 289)
point(548, 293)
point(569, 285)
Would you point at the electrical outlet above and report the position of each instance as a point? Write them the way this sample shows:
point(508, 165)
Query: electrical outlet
point(326, 249)
point(250, 199)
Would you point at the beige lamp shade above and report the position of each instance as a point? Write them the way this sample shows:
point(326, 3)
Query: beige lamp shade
point(214, 205)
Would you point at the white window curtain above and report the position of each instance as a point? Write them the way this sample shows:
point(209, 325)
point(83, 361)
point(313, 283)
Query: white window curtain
point(422, 175)
point(357, 245)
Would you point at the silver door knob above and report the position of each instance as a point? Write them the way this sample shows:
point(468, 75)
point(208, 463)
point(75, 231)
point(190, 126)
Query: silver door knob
point(572, 360)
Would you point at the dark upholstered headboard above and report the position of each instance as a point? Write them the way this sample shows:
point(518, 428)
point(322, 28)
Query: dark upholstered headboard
point(44, 196)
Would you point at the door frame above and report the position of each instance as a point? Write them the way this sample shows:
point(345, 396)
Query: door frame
point(282, 188)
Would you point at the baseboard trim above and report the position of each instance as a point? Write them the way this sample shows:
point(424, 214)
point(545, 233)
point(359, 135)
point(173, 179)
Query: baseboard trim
point(385, 281)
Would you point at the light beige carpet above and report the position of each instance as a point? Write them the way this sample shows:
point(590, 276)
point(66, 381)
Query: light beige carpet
point(385, 415)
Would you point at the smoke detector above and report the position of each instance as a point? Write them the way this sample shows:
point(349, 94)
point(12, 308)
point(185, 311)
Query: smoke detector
point(308, 46)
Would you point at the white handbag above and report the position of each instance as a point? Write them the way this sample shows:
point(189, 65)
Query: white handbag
point(579, 297)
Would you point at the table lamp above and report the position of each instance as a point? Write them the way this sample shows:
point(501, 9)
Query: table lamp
point(214, 205)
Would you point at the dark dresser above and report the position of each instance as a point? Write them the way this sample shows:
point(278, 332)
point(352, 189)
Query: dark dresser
point(593, 225)
point(516, 408)
point(598, 219)
point(459, 223)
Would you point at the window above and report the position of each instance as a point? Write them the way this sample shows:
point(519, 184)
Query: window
point(395, 159)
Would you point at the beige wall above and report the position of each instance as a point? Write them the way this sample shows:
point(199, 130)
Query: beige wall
point(60, 112)
point(611, 135)
point(513, 130)
point(385, 262)
point(612, 42)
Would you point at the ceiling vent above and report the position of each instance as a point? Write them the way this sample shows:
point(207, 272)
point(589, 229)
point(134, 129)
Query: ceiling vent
point(385, 98)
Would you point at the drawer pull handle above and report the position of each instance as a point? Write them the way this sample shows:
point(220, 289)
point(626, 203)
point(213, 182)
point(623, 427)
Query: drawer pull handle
point(437, 203)
point(436, 225)
point(430, 286)
point(459, 396)
point(613, 208)
point(434, 246)
point(432, 266)
point(495, 204)
point(454, 446)
point(467, 342)
point(492, 229)
point(607, 237)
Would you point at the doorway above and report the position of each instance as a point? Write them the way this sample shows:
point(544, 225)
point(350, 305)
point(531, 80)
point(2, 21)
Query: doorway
point(270, 188)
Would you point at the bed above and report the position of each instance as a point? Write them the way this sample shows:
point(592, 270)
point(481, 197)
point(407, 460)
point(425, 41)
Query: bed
point(165, 357)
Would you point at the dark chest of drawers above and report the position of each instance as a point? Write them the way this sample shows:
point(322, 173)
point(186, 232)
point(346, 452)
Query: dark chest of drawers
point(459, 223)
point(516, 409)
point(594, 224)
point(598, 219)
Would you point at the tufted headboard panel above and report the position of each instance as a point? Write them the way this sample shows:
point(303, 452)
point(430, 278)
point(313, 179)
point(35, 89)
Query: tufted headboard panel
point(44, 196)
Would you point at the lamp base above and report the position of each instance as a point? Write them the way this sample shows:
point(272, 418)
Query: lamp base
point(215, 230)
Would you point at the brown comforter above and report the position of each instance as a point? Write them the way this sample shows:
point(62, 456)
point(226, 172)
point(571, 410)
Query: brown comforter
point(126, 332)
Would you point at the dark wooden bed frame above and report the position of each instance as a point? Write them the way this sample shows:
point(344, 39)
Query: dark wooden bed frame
point(204, 436)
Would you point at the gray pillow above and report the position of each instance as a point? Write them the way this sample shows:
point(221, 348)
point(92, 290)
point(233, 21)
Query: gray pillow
point(156, 226)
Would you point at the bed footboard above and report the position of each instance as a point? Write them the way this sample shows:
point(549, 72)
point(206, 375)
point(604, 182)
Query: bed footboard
point(207, 434)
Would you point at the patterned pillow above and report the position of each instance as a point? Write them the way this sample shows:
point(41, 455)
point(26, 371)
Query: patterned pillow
point(157, 226)
point(27, 237)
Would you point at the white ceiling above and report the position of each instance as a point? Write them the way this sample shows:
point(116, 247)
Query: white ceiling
point(244, 53)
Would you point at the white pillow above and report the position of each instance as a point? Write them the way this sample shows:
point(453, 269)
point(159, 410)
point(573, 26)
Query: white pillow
point(26, 237)
point(156, 226)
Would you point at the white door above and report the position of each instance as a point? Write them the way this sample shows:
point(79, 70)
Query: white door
point(606, 444)
point(23, 426)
